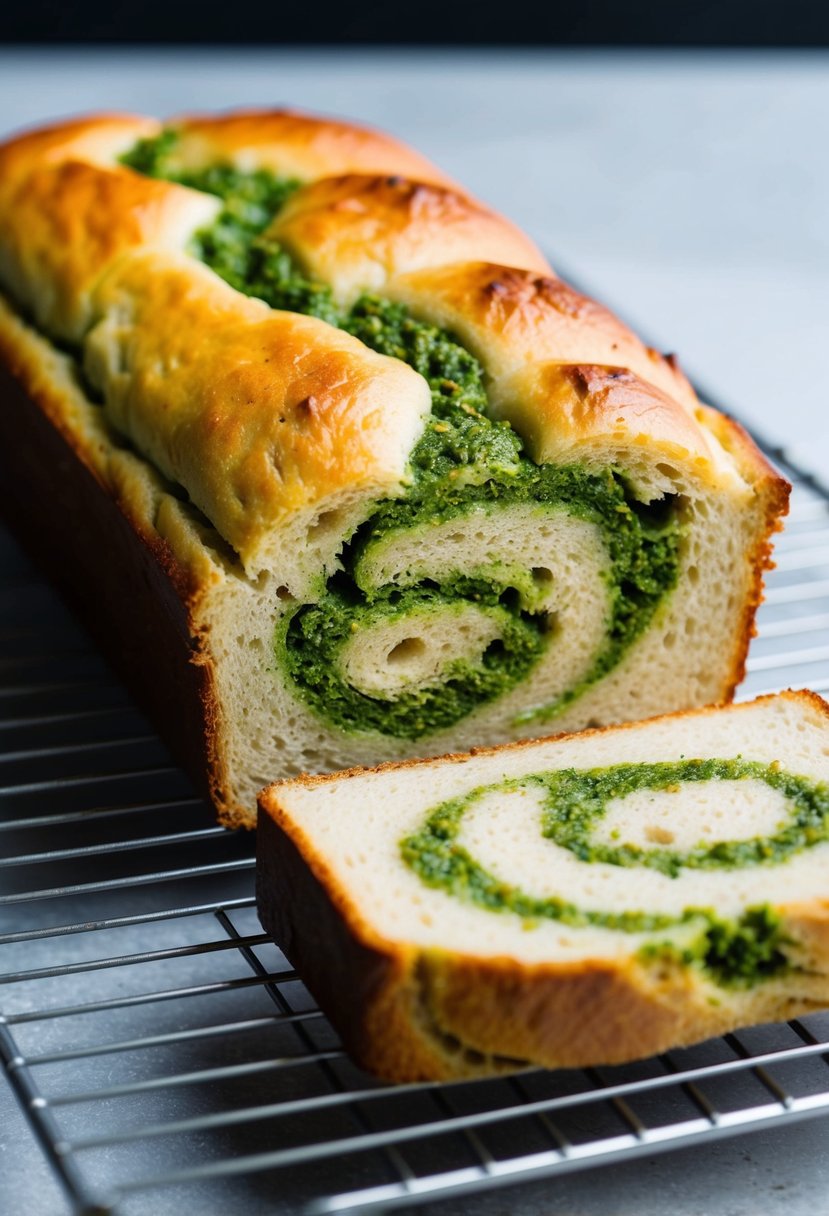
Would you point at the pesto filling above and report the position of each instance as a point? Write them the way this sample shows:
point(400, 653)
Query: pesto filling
point(464, 461)
point(738, 951)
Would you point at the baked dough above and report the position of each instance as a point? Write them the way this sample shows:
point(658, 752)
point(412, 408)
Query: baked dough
point(402, 489)
point(573, 902)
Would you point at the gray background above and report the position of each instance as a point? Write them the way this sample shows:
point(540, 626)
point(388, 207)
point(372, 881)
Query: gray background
point(691, 192)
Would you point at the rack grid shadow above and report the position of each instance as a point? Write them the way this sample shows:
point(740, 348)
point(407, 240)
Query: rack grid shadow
point(158, 1040)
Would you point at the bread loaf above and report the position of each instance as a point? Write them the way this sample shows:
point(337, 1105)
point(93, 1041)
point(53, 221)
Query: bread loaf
point(341, 471)
point(579, 901)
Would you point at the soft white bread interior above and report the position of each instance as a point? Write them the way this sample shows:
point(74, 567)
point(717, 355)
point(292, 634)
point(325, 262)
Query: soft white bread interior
point(579, 901)
point(292, 494)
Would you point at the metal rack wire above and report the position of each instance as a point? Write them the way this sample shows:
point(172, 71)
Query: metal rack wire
point(159, 1042)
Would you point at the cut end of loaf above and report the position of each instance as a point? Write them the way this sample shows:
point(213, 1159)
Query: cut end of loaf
point(547, 948)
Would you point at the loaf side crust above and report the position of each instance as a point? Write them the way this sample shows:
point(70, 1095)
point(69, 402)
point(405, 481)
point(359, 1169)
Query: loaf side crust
point(773, 492)
point(84, 508)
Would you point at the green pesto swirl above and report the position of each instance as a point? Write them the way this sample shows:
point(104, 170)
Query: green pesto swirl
point(465, 461)
point(742, 950)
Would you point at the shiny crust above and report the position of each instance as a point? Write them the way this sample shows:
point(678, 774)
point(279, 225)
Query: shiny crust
point(531, 331)
point(249, 408)
point(67, 211)
point(96, 138)
point(294, 144)
point(409, 1014)
point(570, 412)
point(358, 232)
point(511, 316)
point(66, 224)
point(84, 233)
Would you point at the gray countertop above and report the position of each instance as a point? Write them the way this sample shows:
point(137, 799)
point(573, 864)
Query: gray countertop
point(691, 192)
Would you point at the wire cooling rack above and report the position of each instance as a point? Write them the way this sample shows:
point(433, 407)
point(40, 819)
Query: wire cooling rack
point(159, 1042)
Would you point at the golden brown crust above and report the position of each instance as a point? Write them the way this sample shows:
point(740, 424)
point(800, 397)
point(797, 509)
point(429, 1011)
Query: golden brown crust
point(357, 232)
point(80, 220)
point(579, 1015)
point(579, 412)
point(411, 1014)
point(756, 468)
point(565, 1016)
point(526, 327)
point(369, 986)
point(96, 138)
point(66, 224)
point(65, 212)
point(295, 144)
point(259, 413)
point(772, 491)
point(510, 316)
point(808, 924)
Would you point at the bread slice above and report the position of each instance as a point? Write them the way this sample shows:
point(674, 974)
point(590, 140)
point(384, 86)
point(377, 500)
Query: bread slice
point(577, 901)
point(358, 478)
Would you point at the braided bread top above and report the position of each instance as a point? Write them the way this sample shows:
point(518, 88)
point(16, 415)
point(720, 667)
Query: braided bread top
point(259, 413)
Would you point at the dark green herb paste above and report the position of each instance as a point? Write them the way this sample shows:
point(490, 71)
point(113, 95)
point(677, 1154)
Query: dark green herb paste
point(734, 951)
point(465, 460)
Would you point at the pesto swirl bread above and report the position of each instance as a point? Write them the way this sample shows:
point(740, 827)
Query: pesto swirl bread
point(385, 485)
point(580, 901)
